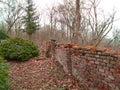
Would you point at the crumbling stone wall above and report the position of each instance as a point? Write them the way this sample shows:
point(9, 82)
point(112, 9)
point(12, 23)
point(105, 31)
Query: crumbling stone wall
point(99, 69)
point(47, 48)
point(64, 58)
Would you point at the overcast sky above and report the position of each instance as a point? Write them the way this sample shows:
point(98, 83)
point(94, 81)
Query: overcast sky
point(109, 5)
point(106, 5)
point(47, 3)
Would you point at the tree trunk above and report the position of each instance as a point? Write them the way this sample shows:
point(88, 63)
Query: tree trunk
point(30, 36)
point(77, 24)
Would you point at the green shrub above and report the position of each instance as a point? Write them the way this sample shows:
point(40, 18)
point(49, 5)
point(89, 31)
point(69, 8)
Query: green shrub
point(3, 35)
point(4, 79)
point(18, 49)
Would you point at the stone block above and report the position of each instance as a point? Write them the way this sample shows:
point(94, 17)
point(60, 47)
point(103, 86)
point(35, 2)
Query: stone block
point(111, 77)
point(101, 70)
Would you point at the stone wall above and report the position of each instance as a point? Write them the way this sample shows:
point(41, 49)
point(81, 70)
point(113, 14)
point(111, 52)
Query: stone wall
point(98, 68)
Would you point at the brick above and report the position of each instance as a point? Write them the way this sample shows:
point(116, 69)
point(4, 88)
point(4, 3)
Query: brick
point(110, 58)
point(108, 72)
point(108, 80)
point(99, 53)
point(106, 68)
point(101, 70)
point(112, 70)
point(100, 67)
point(112, 62)
point(103, 64)
point(97, 56)
point(111, 77)
point(104, 81)
point(103, 57)
point(95, 66)
point(118, 71)
point(92, 62)
point(97, 62)
point(106, 61)
point(110, 65)
point(104, 74)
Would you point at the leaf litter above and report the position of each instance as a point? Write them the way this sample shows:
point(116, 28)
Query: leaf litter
point(44, 74)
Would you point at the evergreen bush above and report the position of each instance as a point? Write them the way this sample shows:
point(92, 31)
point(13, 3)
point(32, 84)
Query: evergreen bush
point(4, 78)
point(18, 49)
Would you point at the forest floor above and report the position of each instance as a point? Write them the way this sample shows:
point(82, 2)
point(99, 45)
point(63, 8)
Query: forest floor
point(36, 74)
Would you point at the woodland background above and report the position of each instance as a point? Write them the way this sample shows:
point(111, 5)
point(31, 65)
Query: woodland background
point(74, 21)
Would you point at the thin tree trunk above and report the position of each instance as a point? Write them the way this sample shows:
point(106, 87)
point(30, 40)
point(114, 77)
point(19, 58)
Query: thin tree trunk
point(30, 36)
point(78, 19)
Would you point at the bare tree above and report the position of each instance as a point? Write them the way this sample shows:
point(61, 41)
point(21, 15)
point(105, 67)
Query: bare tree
point(78, 21)
point(114, 42)
point(99, 27)
point(12, 12)
point(66, 18)
point(52, 21)
point(82, 22)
